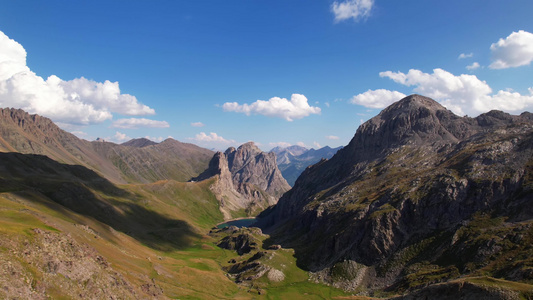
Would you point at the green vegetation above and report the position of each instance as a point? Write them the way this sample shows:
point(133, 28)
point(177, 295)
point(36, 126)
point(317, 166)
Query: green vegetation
point(153, 235)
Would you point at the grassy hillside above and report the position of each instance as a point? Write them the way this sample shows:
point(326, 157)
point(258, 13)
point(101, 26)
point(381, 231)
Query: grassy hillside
point(66, 232)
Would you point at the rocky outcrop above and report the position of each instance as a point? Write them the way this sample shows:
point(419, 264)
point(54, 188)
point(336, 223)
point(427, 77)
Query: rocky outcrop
point(246, 179)
point(417, 191)
point(239, 240)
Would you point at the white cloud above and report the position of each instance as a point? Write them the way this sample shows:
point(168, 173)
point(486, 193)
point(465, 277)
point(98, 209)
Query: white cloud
point(118, 138)
point(332, 137)
point(514, 51)
point(80, 134)
point(473, 66)
point(156, 139)
point(296, 108)
point(197, 124)
point(301, 144)
point(104, 96)
point(212, 137)
point(327, 104)
point(352, 9)
point(465, 55)
point(134, 123)
point(317, 144)
point(463, 94)
point(377, 98)
point(78, 101)
point(280, 144)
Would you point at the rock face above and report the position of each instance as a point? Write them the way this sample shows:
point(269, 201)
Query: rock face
point(293, 160)
point(419, 196)
point(139, 161)
point(247, 178)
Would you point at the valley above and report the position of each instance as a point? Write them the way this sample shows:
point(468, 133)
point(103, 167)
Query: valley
point(420, 202)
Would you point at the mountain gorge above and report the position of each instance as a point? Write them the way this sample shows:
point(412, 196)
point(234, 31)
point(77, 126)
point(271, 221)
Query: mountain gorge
point(419, 196)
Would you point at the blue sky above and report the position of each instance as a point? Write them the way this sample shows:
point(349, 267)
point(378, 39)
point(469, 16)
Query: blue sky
point(195, 70)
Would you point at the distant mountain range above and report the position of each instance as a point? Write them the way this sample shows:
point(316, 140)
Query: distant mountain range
point(293, 160)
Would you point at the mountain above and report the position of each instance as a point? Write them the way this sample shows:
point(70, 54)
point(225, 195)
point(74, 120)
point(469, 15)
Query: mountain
point(285, 155)
point(170, 159)
point(246, 179)
point(293, 160)
point(419, 196)
point(139, 143)
point(93, 220)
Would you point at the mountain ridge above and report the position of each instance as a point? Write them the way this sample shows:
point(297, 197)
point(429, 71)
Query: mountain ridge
point(34, 134)
point(413, 176)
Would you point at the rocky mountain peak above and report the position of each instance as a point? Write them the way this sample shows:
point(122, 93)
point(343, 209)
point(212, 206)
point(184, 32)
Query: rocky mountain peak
point(230, 150)
point(24, 120)
point(247, 177)
point(416, 175)
point(412, 120)
point(248, 149)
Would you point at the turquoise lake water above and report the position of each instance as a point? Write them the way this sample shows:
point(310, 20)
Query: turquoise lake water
point(239, 223)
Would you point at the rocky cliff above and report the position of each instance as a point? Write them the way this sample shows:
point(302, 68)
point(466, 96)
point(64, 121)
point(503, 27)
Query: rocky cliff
point(247, 179)
point(419, 196)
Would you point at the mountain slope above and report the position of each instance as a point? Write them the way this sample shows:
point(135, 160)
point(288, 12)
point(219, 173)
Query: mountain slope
point(139, 143)
point(246, 179)
point(417, 191)
point(33, 134)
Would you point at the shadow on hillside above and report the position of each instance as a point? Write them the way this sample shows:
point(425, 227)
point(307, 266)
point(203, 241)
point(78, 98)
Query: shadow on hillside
point(85, 192)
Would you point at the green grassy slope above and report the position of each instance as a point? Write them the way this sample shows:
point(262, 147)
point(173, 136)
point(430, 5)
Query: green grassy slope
point(66, 232)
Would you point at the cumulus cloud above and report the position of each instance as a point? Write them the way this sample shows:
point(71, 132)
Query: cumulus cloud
point(211, 137)
point(296, 108)
point(197, 124)
point(465, 55)
point(134, 123)
point(473, 66)
point(463, 94)
point(280, 144)
point(332, 137)
point(352, 9)
point(156, 139)
point(78, 101)
point(119, 137)
point(514, 51)
point(80, 134)
point(377, 98)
